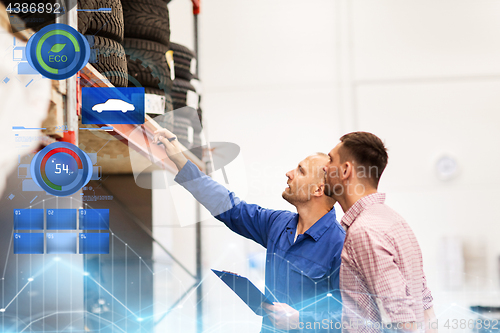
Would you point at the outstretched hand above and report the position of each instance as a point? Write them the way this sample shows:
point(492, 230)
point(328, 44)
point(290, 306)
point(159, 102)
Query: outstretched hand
point(172, 146)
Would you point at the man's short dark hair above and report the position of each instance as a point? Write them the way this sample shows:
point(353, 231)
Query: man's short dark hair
point(367, 151)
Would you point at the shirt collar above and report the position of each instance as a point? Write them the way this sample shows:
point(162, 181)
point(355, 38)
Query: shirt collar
point(360, 205)
point(319, 227)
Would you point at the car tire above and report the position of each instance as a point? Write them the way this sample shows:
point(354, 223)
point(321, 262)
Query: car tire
point(183, 119)
point(183, 58)
point(84, 18)
point(146, 19)
point(180, 90)
point(108, 57)
point(107, 24)
point(181, 125)
point(147, 63)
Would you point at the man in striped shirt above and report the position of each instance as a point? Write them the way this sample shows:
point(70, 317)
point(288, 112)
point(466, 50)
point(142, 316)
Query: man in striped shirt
point(382, 280)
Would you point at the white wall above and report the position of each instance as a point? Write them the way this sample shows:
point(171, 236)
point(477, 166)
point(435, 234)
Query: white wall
point(425, 77)
point(284, 79)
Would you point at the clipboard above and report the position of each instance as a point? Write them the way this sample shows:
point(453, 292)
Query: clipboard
point(245, 290)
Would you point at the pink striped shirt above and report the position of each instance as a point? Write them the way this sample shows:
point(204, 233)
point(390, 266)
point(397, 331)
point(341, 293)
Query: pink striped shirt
point(381, 276)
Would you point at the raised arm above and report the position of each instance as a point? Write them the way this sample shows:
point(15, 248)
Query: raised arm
point(250, 221)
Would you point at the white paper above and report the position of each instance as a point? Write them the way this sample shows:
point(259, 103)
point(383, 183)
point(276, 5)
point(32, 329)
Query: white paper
point(154, 104)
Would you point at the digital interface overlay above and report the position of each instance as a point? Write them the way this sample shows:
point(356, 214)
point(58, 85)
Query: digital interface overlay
point(61, 169)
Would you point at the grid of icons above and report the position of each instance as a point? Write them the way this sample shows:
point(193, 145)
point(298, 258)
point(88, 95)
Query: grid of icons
point(31, 237)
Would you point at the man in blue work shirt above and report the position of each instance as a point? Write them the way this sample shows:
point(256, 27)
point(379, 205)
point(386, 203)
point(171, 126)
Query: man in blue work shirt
point(303, 250)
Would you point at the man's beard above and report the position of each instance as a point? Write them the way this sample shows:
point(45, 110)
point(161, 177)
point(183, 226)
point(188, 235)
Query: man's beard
point(288, 197)
point(328, 190)
point(332, 190)
point(292, 198)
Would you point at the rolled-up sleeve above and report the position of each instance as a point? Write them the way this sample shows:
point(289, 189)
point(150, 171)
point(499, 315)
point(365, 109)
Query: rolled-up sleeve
point(374, 255)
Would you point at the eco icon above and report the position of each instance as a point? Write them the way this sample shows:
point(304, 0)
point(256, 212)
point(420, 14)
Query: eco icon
point(58, 51)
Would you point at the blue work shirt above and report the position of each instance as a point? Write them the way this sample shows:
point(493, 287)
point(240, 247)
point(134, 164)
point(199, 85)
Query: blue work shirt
point(304, 274)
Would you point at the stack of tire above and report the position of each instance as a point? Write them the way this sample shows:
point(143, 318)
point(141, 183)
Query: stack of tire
point(146, 42)
point(104, 32)
point(185, 94)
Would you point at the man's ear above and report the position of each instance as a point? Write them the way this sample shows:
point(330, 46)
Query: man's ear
point(320, 191)
point(347, 170)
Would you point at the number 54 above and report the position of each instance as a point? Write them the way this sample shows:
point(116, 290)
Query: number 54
point(64, 168)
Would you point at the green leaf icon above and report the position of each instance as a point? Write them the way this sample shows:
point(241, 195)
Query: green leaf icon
point(57, 48)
